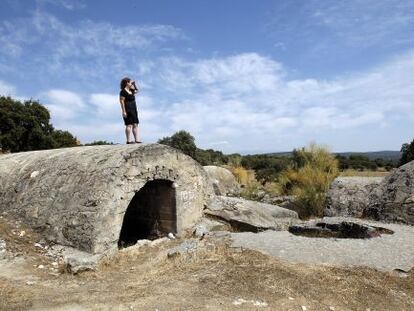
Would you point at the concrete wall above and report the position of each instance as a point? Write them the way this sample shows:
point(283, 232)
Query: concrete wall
point(78, 196)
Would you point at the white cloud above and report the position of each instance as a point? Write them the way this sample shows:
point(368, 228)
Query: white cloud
point(105, 105)
point(248, 101)
point(63, 104)
point(43, 45)
point(351, 23)
point(66, 4)
point(7, 89)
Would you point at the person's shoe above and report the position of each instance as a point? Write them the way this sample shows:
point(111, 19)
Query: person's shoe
point(130, 142)
point(138, 142)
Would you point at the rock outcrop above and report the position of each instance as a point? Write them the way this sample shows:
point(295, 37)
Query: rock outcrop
point(223, 181)
point(389, 199)
point(87, 197)
point(245, 215)
point(349, 196)
point(393, 201)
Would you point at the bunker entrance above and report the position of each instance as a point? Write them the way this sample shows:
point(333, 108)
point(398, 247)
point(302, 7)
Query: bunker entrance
point(340, 230)
point(151, 213)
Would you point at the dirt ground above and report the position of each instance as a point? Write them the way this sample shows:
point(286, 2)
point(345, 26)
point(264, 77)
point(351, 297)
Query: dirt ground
point(214, 277)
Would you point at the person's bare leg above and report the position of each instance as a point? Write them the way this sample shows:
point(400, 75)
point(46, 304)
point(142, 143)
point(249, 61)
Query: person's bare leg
point(135, 131)
point(128, 132)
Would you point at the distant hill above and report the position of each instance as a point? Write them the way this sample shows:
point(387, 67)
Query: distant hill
point(385, 155)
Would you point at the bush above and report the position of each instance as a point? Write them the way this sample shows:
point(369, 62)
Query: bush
point(273, 189)
point(309, 179)
point(181, 140)
point(243, 176)
point(407, 153)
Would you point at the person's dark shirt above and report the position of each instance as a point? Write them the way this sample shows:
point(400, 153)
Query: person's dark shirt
point(128, 97)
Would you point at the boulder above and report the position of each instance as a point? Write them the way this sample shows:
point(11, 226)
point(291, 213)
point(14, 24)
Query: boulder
point(75, 261)
point(349, 196)
point(394, 200)
point(285, 201)
point(245, 215)
point(206, 226)
point(223, 181)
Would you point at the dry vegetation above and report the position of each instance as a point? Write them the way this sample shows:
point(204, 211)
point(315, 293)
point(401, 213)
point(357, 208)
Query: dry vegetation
point(356, 173)
point(215, 277)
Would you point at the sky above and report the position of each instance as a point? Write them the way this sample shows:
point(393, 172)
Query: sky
point(242, 76)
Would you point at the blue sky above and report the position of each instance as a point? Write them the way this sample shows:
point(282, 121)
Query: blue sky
point(240, 76)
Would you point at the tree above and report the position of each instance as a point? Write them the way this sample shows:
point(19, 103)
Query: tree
point(26, 126)
point(407, 153)
point(181, 140)
point(64, 139)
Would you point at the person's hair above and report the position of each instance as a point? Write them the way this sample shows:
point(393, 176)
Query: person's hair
point(124, 82)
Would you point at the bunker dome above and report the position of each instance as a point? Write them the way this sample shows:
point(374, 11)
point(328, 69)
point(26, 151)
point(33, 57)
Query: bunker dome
point(98, 198)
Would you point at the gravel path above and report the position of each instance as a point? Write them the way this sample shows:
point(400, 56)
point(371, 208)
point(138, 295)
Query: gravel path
point(387, 252)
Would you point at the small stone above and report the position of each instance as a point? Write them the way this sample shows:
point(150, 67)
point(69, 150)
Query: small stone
point(22, 233)
point(171, 236)
point(55, 264)
point(41, 266)
point(34, 174)
point(260, 303)
point(331, 308)
point(38, 245)
point(30, 282)
point(239, 302)
point(304, 308)
point(200, 231)
point(291, 298)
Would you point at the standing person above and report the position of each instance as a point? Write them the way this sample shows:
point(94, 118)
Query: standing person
point(129, 109)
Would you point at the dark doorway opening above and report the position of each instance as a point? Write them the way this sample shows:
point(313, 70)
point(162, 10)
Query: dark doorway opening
point(151, 214)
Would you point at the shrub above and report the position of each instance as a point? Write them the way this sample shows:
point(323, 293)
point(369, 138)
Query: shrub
point(274, 189)
point(243, 176)
point(310, 178)
point(181, 140)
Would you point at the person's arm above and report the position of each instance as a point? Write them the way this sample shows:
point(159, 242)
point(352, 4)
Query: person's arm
point(122, 102)
point(136, 90)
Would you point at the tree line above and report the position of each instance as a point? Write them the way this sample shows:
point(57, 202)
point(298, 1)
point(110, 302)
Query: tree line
point(25, 126)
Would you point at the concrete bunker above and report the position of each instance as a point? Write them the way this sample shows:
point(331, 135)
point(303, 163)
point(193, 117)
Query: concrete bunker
point(93, 198)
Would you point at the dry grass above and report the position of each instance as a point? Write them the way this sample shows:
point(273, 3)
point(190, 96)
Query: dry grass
point(243, 176)
point(211, 278)
point(310, 182)
point(273, 188)
point(356, 173)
